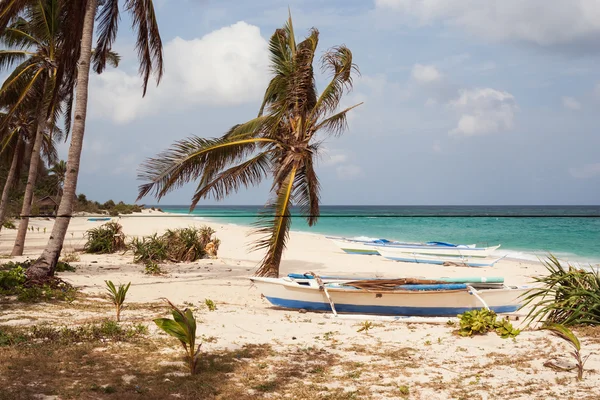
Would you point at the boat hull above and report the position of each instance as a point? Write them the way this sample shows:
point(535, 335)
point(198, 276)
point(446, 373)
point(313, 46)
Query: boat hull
point(289, 294)
point(476, 262)
point(351, 247)
point(436, 251)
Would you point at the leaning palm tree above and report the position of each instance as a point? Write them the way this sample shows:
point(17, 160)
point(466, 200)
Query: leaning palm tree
point(281, 142)
point(81, 15)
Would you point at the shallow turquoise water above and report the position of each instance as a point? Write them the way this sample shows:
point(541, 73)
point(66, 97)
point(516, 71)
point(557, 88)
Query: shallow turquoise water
point(570, 232)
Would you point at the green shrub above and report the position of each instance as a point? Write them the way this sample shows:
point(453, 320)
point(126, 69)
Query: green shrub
point(9, 224)
point(107, 238)
point(12, 279)
point(480, 322)
point(149, 250)
point(177, 245)
point(567, 296)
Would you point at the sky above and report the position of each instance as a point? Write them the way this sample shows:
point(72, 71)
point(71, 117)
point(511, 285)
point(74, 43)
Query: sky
point(468, 102)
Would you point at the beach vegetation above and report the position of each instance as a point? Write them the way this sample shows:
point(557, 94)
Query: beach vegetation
point(183, 328)
point(569, 337)
point(9, 224)
point(365, 327)
point(74, 62)
point(105, 239)
point(13, 282)
point(565, 295)
point(482, 321)
point(117, 296)
point(282, 143)
point(175, 245)
point(210, 304)
point(69, 257)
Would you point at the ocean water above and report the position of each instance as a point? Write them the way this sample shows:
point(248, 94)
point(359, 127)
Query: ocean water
point(572, 233)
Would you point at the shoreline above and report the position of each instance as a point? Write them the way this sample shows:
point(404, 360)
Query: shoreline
point(533, 256)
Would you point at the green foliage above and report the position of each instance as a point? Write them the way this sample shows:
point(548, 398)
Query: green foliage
point(149, 250)
point(210, 304)
point(480, 322)
point(183, 328)
point(13, 282)
point(365, 326)
point(566, 296)
point(107, 238)
point(12, 279)
point(9, 224)
point(568, 336)
point(177, 245)
point(117, 296)
point(68, 334)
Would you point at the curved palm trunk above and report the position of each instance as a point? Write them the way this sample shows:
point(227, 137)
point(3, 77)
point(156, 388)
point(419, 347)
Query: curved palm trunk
point(10, 181)
point(45, 265)
point(31, 178)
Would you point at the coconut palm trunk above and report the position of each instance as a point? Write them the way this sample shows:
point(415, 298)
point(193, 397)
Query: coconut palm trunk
point(10, 180)
point(31, 178)
point(45, 265)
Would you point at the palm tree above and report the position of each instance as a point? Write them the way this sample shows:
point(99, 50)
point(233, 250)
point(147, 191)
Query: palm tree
point(33, 41)
point(14, 135)
point(59, 171)
point(281, 142)
point(149, 47)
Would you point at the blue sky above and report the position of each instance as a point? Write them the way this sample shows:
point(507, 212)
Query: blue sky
point(465, 101)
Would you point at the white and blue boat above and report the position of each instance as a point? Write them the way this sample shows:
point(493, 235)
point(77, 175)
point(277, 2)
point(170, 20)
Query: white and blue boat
point(432, 298)
point(477, 262)
point(372, 246)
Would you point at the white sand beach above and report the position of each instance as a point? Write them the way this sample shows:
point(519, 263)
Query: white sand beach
point(435, 362)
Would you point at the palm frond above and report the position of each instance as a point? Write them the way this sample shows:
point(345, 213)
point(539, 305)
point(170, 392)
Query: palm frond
point(338, 62)
point(10, 57)
point(10, 10)
point(187, 159)
point(108, 24)
point(275, 224)
point(307, 190)
point(337, 123)
point(249, 173)
point(148, 43)
point(17, 37)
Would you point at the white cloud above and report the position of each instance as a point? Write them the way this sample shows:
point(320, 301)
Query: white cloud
point(570, 103)
point(483, 111)
point(537, 21)
point(425, 73)
point(349, 171)
point(437, 147)
point(586, 171)
point(225, 67)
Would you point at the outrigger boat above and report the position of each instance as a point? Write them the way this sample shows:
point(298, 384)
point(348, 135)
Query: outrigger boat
point(372, 247)
point(399, 297)
point(439, 260)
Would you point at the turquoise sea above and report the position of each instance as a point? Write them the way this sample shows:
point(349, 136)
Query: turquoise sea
point(572, 233)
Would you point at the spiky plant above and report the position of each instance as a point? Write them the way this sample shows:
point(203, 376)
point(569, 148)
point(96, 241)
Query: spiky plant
point(568, 336)
point(183, 328)
point(108, 238)
point(282, 142)
point(117, 296)
point(566, 295)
